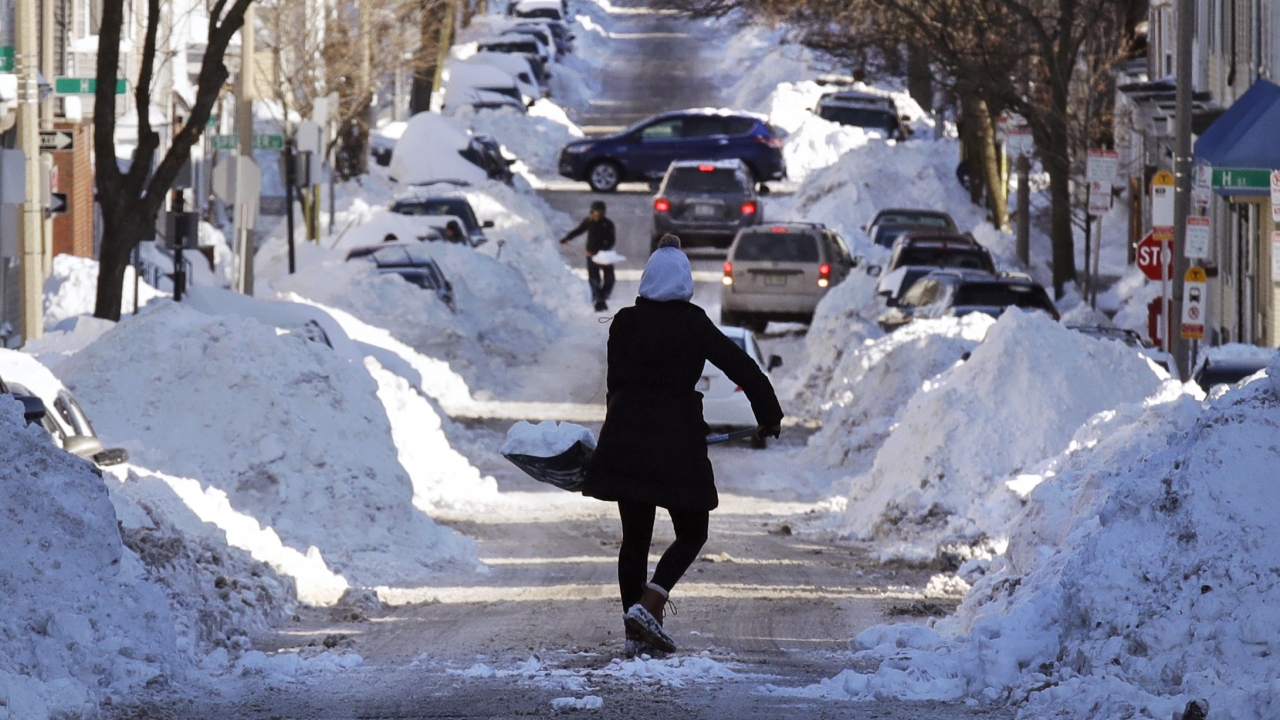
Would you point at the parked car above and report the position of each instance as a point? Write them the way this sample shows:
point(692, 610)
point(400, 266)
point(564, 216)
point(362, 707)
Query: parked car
point(645, 150)
point(1226, 371)
point(411, 262)
point(514, 42)
point(484, 152)
point(444, 205)
point(780, 272)
point(518, 67)
point(724, 405)
point(705, 201)
point(47, 403)
point(956, 292)
point(870, 112)
point(931, 249)
point(893, 285)
point(891, 223)
point(480, 86)
point(544, 34)
point(538, 9)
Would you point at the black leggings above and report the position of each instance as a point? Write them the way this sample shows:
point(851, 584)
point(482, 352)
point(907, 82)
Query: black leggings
point(637, 534)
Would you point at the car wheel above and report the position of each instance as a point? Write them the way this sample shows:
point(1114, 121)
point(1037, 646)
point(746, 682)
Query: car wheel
point(604, 176)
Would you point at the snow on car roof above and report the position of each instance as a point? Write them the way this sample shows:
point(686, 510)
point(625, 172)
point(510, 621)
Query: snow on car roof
point(724, 112)
point(538, 5)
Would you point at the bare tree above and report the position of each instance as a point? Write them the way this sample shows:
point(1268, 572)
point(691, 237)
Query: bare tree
point(131, 199)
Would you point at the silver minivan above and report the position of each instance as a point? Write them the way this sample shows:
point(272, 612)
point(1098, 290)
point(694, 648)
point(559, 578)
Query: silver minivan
point(779, 271)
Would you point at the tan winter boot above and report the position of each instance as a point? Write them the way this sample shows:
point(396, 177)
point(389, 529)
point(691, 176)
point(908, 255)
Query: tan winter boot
point(645, 618)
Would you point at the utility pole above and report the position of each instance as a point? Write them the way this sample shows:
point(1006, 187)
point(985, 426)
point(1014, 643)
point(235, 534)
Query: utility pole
point(244, 120)
point(1182, 181)
point(30, 227)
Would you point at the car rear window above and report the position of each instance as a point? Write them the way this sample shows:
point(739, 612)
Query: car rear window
point(456, 207)
point(739, 126)
point(913, 219)
point(1003, 295)
point(545, 13)
point(861, 117)
point(946, 258)
point(693, 180)
point(886, 234)
point(780, 247)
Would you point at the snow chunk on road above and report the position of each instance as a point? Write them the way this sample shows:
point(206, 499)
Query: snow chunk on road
point(291, 432)
point(873, 382)
point(588, 702)
point(940, 476)
point(546, 439)
point(79, 616)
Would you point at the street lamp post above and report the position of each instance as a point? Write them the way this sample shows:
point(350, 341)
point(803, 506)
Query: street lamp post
point(31, 225)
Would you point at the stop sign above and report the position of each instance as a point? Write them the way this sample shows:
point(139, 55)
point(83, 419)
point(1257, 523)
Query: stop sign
point(1149, 255)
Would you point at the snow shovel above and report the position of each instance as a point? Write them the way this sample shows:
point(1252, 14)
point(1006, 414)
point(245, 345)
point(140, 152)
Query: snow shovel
point(568, 470)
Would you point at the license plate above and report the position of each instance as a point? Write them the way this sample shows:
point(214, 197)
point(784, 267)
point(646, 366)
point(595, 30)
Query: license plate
point(775, 279)
point(704, 210)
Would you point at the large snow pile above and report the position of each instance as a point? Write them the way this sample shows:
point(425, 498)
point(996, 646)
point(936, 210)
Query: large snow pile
point(293, 434)
point(79, 618)
point(535, 138)
point(1141, 576)
point(428, 151)
point(873, 383)
point(940, 477)
point(72, 288)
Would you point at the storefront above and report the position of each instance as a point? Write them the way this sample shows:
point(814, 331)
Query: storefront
point(1235, 182)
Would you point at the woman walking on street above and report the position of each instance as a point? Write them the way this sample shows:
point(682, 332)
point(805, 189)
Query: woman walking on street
point(652, 450)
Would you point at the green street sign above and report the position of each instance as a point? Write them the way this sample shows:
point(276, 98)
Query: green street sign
point(260, 142)
point(1242, 179)
point(6, 58)
point(82, 86)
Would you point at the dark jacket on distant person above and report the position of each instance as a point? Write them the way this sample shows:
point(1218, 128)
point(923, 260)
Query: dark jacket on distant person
point(600, 234)
point(653, 448)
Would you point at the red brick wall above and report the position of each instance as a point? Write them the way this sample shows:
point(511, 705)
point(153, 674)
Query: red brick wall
point(73, 230)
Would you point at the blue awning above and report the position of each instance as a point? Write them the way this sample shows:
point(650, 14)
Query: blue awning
point(1248, 133)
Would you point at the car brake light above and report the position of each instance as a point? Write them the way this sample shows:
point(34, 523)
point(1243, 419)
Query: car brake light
point(824, 275)
point(777, 230)
point(771, 142)
point(707, 168)
point(749, 207)
point(661, 205)
point(728, 274)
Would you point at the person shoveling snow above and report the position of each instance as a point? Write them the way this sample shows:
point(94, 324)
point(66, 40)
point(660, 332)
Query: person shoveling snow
point(601, 236)
point(652, 450)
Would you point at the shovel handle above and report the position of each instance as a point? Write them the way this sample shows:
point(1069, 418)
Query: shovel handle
point(735, 435)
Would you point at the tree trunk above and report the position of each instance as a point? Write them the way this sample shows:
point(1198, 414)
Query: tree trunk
point(434, 14)
point(993, 179)
point(970, 145)
point(1056, 159)
point(920, 77)
point(120, 235)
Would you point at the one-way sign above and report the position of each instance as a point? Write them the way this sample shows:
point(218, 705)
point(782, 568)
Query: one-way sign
point(56, 140)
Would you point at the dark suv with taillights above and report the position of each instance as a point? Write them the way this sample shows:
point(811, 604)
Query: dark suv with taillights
point(705, 202)
point(644, 151)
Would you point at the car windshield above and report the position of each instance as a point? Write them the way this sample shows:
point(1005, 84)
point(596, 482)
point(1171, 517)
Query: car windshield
point(946, 258)
point(780, 247)
point(861, 117)
point(456, 207)
point(547, 13)
point(918, 219)
point(886, 234)
point(1002, 295)
point(711, 180)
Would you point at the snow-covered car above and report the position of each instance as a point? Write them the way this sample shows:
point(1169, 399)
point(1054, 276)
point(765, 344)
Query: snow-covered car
point(411, 262)
point(26, 379)
point(892, 285)
point(538, 9)
point(1227, 371)
point(725, 405)
point(432, 148)
point(518, 67)
point(870, 112)
point(416, 204)
point(955, 293)
point(480, 86)
point(891, 223)
point(513, 42)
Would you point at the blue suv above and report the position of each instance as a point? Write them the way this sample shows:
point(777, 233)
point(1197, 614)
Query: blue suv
point(644, 151)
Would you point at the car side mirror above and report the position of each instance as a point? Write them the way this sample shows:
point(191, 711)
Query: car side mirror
point(83, 445)
point(775, 361)
point(874, 270)
point(486, 224)
point(33, 410)
point(111, 456)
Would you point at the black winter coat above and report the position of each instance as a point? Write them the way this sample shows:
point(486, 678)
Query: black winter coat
point(601, 234)
point(653, 446)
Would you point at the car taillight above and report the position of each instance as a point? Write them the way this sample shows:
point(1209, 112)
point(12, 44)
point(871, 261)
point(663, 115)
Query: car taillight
point(661, 205)
point(707, 168)
point(778, 229)
point(749, 207)
point(769, 141)
point(728, 274)
point(824, 275)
